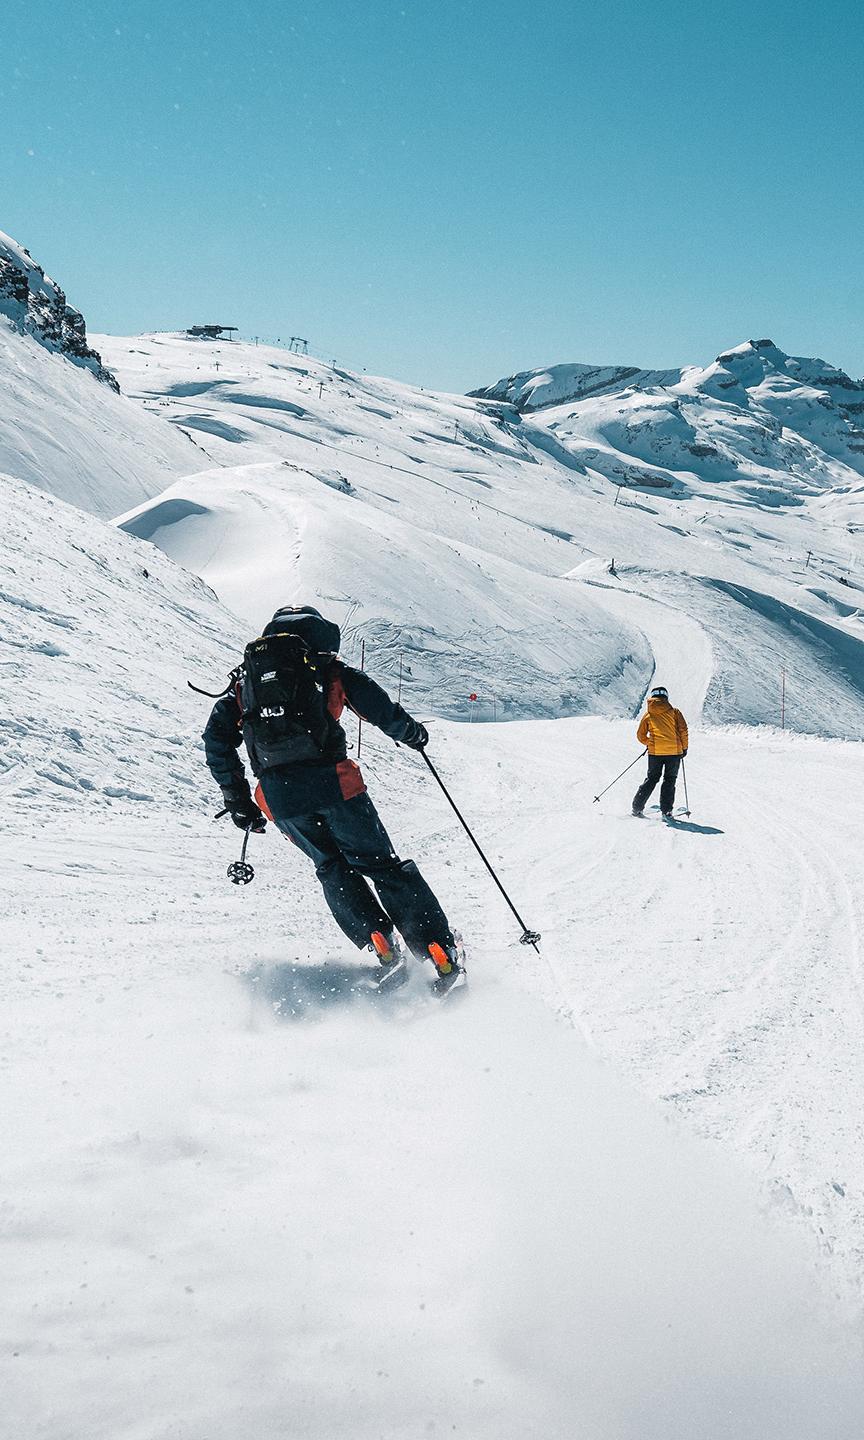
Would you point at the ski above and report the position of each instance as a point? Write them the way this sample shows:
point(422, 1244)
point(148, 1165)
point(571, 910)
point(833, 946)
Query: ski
point(392, 977)
point(444, 987)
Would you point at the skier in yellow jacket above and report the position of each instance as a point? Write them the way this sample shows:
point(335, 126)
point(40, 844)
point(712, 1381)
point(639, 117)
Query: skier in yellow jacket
point(663, 731)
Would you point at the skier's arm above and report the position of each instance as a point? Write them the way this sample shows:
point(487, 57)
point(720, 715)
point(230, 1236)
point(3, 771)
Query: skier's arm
point(222, 738)
point(642, 732)
point(372, 703)
point(681, 727)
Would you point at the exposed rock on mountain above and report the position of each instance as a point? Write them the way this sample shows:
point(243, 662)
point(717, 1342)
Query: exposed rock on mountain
point(33, 302)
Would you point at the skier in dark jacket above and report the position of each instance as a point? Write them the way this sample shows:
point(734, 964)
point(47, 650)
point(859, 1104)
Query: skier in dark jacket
point(319, 799)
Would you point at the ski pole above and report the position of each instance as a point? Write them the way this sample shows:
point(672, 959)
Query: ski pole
point(528, 937)
point(684, 778)
point(239, 873)
point(618, 777)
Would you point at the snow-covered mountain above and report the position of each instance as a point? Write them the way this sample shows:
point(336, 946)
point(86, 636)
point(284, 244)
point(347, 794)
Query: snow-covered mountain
point(60, 429)
point(774, 426)
point(473, 543)
point(406, 514)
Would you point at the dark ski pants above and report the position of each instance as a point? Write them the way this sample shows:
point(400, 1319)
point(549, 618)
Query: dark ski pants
point(667, 766)
point(349, 846)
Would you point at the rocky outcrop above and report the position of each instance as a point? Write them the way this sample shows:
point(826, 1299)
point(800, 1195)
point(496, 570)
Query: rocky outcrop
point(38, 307)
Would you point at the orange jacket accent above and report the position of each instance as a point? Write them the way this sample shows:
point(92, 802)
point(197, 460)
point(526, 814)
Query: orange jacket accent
point(662, 729)
point(351, 780)
point(258, 797)
point(336, 700)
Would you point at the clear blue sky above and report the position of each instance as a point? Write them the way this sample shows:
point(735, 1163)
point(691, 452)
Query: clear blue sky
point(450, 191)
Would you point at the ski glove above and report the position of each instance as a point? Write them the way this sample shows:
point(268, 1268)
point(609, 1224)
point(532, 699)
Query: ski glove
point(244, 812)
point(249, 818)
point(417, 737)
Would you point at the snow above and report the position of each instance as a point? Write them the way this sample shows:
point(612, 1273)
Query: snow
point(222, 1218)
point(63, 431)
point(22, 260)
point(390, 504)
point(99, 636)
point(613, 1190)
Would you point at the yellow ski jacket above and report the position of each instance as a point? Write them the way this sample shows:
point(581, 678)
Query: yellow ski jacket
point(662, 728)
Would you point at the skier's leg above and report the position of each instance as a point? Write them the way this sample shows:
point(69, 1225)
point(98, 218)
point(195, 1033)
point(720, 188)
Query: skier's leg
point(354, 907)
point(667, 789)
point(655, 769)
point(365, 844)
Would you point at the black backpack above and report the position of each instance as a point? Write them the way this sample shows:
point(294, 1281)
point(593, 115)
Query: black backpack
point(285, 720)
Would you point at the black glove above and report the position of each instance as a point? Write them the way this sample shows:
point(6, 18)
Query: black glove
point(417, 737)
point(244, 812)
point(683, 754)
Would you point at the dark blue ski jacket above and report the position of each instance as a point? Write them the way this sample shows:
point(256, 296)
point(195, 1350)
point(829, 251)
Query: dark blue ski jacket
point(331, 776)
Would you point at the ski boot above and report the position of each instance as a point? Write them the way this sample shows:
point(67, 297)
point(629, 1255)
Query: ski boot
point(391, 958)
point(449, 961)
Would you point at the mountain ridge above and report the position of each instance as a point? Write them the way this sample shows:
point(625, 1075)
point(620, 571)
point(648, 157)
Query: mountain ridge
point(36, 304)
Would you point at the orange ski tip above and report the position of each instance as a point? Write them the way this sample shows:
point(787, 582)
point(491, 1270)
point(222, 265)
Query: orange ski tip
point(381, 945)
point(441, 958)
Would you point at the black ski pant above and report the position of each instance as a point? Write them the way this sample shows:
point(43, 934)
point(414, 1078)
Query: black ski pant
point(349, 846)
point(667, 766)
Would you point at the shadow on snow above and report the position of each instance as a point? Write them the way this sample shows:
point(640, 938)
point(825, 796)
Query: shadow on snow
point(300, 992)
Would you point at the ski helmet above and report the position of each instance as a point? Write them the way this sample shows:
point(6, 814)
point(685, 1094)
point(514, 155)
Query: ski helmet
point(659, 693)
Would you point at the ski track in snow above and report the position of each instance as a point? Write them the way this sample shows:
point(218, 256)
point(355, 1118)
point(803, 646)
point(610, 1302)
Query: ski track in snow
point(745, 1009)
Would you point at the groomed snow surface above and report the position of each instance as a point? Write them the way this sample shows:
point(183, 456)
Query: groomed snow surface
point(241, 1199)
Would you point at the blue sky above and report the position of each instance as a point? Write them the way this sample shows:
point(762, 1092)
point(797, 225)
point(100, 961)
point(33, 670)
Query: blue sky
point(447, 192)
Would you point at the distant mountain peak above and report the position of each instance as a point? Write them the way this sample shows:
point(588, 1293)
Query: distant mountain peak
point(37, 306)
point(765, 348)
point(764, 356)
point(559, 384)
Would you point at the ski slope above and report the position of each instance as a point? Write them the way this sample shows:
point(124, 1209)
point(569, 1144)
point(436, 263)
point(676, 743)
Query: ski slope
point(235, 1191)
point(240, 1198)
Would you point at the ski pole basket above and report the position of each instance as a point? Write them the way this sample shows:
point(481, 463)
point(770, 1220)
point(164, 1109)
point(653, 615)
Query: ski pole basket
point(239, 872)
